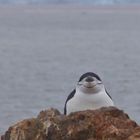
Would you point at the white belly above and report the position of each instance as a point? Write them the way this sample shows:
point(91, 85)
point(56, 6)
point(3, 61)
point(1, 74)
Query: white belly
point(82, 101)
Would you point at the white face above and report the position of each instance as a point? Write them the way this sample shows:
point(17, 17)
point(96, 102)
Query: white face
point(90, 85)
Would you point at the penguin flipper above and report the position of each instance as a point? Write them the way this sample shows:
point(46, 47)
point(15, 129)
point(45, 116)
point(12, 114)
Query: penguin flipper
point(108, 94)
point(68, 98)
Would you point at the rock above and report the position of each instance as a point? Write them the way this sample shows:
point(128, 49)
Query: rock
point(25, 130)
point(135, 135)
point(103, 124)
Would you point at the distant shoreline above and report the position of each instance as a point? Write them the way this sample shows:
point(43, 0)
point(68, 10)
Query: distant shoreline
point(126, 7)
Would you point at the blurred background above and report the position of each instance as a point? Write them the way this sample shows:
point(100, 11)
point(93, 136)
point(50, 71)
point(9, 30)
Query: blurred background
point(45, 46)
point(94, 2)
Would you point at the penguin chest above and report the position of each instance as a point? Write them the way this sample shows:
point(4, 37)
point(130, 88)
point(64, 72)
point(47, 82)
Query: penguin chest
point(82, 101)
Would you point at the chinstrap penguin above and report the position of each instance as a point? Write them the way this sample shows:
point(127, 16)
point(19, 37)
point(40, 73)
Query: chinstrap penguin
point(89, 93)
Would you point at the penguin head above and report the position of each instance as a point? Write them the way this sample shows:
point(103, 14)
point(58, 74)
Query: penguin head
point(90, 83)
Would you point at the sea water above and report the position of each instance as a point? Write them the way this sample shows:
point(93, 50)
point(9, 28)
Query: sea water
point(44, 51)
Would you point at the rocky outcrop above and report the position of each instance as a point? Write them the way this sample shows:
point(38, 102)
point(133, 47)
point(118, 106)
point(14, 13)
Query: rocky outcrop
point(102, 124)
point(135, 135)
